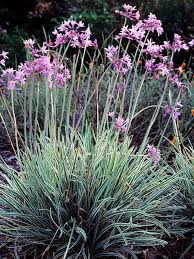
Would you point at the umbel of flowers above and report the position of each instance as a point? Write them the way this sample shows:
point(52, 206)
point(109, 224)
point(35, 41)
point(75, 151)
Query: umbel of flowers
point(42, 63)
point(158, 57)
point(45, 63)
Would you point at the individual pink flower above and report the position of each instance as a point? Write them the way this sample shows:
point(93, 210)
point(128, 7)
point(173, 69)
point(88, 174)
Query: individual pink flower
point(111, 52)
point(3, 57)
point(111, 114)
point(130, 12)
point(29, 44)
point(4, 54)
point(137, 32)
point(191, 43)
point(167, 45)
point(20, 77)
point(120, 124)
point(44, 49)
point(49, 44)
point(153, 154)
point(2, 62)
point(9, 72)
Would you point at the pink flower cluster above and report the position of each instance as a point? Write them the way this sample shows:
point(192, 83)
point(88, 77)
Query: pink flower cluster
point(136, 32)
point(173, 111)
point(3, 57)
point(153, 154)
point(152, 49)
point(74, 33)
point(120, 124)
point(191, 43)
point(158, 69)
point(130, 12)
point(158, 62)
point(41, 66)
point(121, 65)
point(152, 24)
point(36, 53)
point(160, 65)
point(178, 43)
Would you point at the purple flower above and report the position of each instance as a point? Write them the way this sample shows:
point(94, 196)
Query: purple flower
point(130, 12)
point(136, 32)
point(20, 77)
point(11, 84)
point(153, 154)
point(111, 114)
point(74, 33)
point(152, 24)
point(178, 43)
point(44, 49)
point(163, 69)
point(60, 39)
point(173, 111)
point(175, 80)
point(29, 44)
point(121, 65)
point(191, 43)
point(3, 57)
point(166, 45)
point(153, 49)
point(56, 73)
point(2, 62)
point(120, 124)
point(111, 52)
point(4, 54)
point(150, 65)
point(9, 72)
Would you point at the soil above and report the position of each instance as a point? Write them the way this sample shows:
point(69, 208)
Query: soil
point(174, 250)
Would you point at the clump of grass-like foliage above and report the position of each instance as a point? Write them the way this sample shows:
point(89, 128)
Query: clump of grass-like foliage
point(184, 165)
point(84, 191)
point(96, 198)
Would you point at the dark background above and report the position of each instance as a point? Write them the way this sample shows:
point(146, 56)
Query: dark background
point(25, 18)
